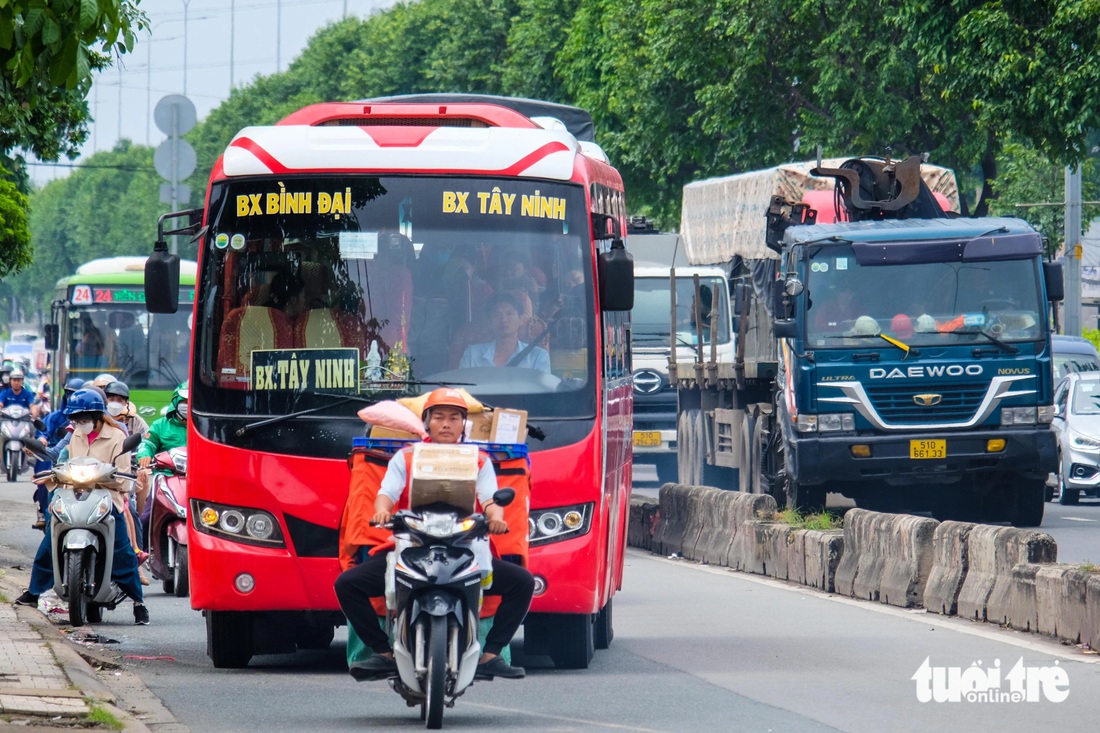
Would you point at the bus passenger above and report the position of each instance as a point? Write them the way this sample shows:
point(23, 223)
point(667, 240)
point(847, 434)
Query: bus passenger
point(444, 418)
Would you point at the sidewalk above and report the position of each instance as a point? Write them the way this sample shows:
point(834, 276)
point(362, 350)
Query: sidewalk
point(44, 681)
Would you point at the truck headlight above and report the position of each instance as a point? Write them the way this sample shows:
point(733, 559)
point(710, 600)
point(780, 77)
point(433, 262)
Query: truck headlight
point(1018, 416)
point(1046, 414)
point(826, 422)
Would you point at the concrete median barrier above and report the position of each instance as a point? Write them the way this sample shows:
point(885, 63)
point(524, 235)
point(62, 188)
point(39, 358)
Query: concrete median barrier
point(907, 547)
point(859, 571)
point(950, 560)
point(669, 535)
point(644, 514)
point(1091, 634)
point(1061, 593)
point(989, 592)
point(822, 553)
point(744, 510)
point(796, 556)
point(702, 505)
point(765, 547)
point(721, 529)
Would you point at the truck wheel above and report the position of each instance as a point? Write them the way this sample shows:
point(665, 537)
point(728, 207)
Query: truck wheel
point(1028, 502)
point(229, 638)
point(806, 499)
point(684, 445)
point(573, 643)
point(689, 447)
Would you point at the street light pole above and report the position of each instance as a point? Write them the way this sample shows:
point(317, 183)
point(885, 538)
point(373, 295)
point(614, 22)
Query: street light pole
point(186, 3)
point(278, 35)
point(1072, 321)
point(232, 38)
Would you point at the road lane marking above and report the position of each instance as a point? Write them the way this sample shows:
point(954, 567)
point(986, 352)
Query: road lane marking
point(1078, 519)
point(1041, 645)
point(563, 718)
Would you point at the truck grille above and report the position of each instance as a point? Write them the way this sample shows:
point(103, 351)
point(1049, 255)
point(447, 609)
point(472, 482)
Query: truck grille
point(899, 404)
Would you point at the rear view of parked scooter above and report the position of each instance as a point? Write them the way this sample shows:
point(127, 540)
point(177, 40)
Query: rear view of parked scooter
point(83, 535)
point(434, 581)
point(17, 429)
point(168, 522)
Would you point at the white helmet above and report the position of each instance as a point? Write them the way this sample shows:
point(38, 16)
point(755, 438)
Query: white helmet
point(17, 373)
point(866, 326)
point(926, 324)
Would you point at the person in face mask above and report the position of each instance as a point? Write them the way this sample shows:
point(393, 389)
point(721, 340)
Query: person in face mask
point(167, 432)
point(120, 408)
point(55, 432)
point(96, 435)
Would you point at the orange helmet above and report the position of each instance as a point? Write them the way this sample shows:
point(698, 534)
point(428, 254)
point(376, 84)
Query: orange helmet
point(444, 397)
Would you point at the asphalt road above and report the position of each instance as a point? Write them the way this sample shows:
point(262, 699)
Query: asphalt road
point(696, 649)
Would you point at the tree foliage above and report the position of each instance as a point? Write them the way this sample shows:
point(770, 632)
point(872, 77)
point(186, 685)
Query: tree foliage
point(14, 232)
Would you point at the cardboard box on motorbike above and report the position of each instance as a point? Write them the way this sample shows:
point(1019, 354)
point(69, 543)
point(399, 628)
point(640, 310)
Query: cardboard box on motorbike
point(444, 474)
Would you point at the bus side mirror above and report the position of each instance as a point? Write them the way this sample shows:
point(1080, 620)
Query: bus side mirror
point(162, 280)
point(615, 269)
point(1055, 281)
point(53, 336)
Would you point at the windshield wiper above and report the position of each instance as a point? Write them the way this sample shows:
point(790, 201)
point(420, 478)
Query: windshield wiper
point(995, 341)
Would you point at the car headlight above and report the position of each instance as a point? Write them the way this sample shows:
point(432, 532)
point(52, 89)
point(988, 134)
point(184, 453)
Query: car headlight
point(559, 523)
point(1084, 443)
point(240, 524)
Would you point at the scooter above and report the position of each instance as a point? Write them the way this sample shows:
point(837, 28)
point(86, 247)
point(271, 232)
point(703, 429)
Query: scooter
point(167, 528)
point(83, 534)
point(17, 429)
point(433, 597)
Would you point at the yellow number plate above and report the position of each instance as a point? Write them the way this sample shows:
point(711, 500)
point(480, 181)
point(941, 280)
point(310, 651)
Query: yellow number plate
point(647, 438)
point(927, 449)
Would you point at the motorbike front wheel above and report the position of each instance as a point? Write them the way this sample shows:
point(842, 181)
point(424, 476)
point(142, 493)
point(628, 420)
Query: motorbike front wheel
point(12, 461)
point(183, 581)
point(435, 683)
point(76, 577)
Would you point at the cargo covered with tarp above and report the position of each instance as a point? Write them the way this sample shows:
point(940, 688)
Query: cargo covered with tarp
point(724, 217)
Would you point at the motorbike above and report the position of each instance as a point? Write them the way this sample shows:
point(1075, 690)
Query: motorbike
point(17, 429)
point(167, 530)
point(434, 584)
point(83, 534)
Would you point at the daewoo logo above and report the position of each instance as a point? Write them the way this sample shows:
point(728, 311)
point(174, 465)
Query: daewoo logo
point(927, 400)
point(916, 372)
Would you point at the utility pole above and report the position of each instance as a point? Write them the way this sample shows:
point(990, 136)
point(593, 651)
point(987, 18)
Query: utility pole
point(1072, 320)
point(232, 38)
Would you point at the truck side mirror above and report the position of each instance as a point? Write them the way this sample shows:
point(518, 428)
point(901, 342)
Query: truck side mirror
point(1055, 280)
point(162, 280)
point(53, 336)
point(785, 329)
point(615, 269)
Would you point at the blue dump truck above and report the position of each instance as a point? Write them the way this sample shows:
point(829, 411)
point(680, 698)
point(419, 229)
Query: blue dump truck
point(885, 349)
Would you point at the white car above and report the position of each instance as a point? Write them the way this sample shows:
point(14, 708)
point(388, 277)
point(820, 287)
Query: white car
point(1077, 425)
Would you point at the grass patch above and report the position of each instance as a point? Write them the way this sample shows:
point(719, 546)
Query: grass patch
point(819, 520)
point(4, 599)
point(1089, 567)
point(102, 716)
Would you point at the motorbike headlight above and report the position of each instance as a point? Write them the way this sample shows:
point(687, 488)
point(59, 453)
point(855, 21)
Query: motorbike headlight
point(438, 525)
point(561, 523)
point(179, 460)
point(83, 474)
point(57, 508)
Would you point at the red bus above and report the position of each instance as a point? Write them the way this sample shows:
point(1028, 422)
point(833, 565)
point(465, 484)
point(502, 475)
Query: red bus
point(347, 255)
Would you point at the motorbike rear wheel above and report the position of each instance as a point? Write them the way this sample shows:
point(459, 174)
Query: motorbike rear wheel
point(95, 613)
point(436, 680)
point(76, 578)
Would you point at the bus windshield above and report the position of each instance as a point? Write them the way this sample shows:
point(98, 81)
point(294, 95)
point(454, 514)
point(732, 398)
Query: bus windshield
point(926, 304)
point(321, 287)
point(144, 350)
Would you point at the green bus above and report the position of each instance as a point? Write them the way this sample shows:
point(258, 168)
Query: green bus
point(99, 325)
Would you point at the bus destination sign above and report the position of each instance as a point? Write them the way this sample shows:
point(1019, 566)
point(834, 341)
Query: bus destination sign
point(117, 294)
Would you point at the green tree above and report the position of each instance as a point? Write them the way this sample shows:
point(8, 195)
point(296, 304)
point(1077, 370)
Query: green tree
point(14, 232)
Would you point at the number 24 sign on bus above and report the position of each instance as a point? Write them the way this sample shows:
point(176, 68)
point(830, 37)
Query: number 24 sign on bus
point(306, 370)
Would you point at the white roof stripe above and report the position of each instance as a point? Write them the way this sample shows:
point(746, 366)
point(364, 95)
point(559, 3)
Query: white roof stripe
point(301, 148)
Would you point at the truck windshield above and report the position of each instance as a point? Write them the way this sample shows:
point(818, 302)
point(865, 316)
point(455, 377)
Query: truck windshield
point(142, 349)
point(935, 303)
point(377, 288)
point(652, 315)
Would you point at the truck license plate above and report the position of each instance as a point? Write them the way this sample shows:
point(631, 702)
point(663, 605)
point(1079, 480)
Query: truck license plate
point(927, 449)
point(647, 438)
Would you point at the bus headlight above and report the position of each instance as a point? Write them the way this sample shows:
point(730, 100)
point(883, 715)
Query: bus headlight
point(239, 524)
point(559, 523)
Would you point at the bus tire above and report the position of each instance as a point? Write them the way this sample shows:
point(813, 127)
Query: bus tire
point(604, 630)
point(573, 644)
point(229, 638)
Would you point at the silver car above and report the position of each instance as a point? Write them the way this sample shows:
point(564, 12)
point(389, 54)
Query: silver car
point(1077, 424)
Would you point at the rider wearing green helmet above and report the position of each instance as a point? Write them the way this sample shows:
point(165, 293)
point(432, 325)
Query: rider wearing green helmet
point(167, 432)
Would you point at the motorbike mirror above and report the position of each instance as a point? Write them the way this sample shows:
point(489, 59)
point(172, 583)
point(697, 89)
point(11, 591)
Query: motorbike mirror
point(504, 497)
point(131, 442)
point(35, 447)
point(39, 425)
